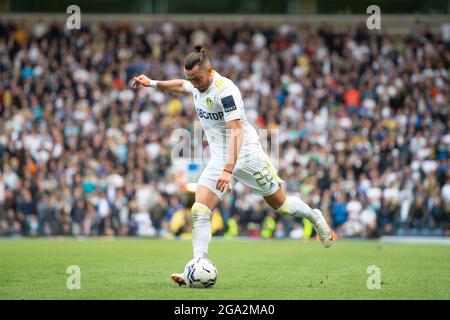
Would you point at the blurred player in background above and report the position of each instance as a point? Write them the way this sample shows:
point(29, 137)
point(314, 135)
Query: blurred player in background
point(236, 152)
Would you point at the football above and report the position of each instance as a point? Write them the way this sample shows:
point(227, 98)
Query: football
point(200, 273)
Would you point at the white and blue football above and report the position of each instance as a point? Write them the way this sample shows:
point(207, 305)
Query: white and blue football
point(200, 273)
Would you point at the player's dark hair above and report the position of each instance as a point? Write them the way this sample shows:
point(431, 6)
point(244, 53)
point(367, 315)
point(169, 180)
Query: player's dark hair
point(198, 57)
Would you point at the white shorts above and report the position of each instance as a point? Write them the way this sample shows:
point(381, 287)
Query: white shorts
point(256, 172)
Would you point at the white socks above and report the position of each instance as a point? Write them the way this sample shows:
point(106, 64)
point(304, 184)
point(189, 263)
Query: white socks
point(201, 221)
point(296, 207)
point(201, 229)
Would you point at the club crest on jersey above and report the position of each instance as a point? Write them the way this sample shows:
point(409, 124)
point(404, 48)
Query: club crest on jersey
point(209, 103)
point(228, 104)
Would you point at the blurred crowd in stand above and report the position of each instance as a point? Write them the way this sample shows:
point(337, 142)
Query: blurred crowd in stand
point(363, 120)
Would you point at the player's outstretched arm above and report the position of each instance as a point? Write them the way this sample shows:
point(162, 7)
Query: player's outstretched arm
point(172, 86)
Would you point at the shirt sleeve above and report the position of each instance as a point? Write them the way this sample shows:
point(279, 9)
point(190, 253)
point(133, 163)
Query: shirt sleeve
point(188, 87)
point(231, 101)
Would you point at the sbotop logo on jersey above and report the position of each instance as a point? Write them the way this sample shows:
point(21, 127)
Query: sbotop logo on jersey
point(209, 115)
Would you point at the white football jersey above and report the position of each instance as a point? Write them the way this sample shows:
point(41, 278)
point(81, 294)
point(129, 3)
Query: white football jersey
point(220, 103)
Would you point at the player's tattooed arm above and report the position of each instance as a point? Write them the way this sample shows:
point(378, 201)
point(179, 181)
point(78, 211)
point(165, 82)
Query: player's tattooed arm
point(176, 86)
point(233, 148)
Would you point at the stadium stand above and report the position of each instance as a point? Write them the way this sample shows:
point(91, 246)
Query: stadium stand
point(363, 121)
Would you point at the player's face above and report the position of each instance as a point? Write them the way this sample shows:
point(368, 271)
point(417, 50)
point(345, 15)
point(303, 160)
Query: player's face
point(199, 77)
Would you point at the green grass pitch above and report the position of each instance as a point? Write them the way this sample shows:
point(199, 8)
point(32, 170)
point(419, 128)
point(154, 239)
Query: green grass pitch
point(270, 269)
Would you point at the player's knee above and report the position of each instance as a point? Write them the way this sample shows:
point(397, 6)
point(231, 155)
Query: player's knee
point(276, 200)
point(287, 206)
point(200, 212)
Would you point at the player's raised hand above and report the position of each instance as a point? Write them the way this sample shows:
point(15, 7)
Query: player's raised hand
point(141, 80)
